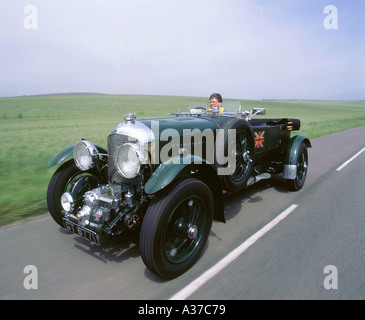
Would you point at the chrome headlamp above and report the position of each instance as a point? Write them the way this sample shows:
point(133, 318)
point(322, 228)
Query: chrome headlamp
point(127, 159)
point(67, 202)
point(85, 155)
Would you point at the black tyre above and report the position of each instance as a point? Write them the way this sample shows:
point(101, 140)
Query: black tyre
point(68, 178)
point(176, 228)
point(302, 169)
point(244, 153)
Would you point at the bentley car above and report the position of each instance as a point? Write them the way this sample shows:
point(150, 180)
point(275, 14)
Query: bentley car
point(164, 179)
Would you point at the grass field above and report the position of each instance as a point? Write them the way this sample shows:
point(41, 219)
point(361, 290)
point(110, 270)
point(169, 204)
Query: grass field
point(34, 129)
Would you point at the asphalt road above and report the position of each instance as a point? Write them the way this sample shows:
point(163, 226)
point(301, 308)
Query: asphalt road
point(317, 251)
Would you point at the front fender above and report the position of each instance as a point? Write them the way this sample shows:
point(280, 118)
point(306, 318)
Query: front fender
point(67, 152)
point(173, 168)
point(168, 171)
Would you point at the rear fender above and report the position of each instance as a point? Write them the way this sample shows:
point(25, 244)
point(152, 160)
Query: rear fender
point(67, 152)
point(292, 154)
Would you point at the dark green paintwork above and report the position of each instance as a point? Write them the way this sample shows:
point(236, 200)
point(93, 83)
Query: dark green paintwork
point(291, 156)
point(61, 156)
point(168, 171)
point(181, 123)
point(176, 237)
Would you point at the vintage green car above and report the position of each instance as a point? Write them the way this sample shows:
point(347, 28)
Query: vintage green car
point(165, 178)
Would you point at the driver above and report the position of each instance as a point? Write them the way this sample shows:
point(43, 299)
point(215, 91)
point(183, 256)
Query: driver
point(215, 100)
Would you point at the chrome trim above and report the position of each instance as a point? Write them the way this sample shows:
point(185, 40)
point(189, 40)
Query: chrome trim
point(135, 148)
point(290, 171)
point(135, 130)
point(67, 198)
point(92, 150)
point(130, 117)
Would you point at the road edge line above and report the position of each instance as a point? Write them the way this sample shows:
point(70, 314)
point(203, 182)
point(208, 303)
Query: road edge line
point(350, 160)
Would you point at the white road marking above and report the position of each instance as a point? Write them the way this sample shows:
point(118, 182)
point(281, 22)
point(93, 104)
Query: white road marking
point(348, 161)
point(219, 266)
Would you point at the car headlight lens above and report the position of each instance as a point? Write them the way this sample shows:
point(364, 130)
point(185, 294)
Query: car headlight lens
point(67, 202)
point(85, 154)
point(127, 160)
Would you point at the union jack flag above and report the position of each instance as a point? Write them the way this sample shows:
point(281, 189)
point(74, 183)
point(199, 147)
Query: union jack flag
point(259, 139)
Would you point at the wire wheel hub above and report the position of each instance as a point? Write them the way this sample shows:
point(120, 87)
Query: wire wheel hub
point(192, 232)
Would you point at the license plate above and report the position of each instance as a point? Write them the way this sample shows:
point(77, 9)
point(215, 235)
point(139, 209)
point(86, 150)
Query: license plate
point(81, 231)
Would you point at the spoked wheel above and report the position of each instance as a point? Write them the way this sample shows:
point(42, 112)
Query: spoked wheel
point(176, 228)
point(302, 169)
point(68, 178)
point(244, 155)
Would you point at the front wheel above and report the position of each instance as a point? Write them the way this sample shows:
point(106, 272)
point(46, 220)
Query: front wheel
point(68, 178)
point(176, 228)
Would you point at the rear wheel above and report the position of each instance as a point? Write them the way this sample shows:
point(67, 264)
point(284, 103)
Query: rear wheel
point(176, 228)
point(68, 178)
point(302, 169)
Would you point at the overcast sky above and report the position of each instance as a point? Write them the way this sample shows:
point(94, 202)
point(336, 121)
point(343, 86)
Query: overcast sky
point(245, 49)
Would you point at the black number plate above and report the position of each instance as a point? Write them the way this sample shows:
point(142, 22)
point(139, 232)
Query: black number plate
point(81, 231)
